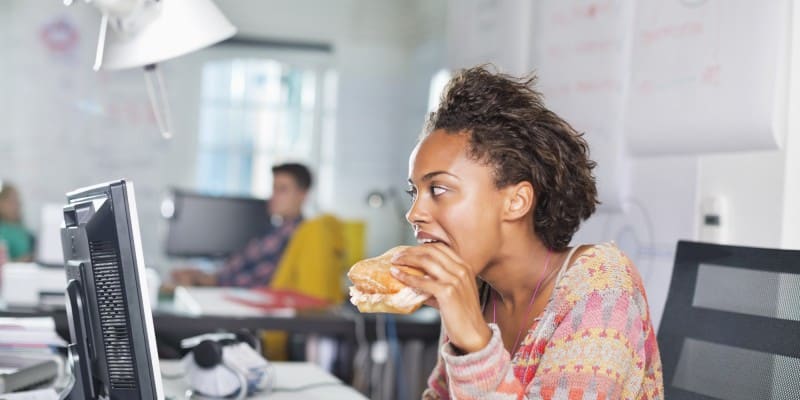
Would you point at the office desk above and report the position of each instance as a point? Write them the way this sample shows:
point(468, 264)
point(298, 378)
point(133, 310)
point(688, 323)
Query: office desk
point(172, 326)
point(334, 321)
point(292, 380)
point(289, 377)
point(339, 322)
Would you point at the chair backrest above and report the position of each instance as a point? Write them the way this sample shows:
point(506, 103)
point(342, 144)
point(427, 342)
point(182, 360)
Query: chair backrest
point(313, 261)
point(354, 232)
point(731, 324)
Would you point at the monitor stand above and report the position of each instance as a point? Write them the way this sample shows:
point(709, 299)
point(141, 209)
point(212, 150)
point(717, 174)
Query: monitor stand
point(78, 361)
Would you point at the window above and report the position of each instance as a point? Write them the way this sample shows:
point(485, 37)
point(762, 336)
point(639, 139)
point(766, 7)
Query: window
point(255, 113)
point(438, 82)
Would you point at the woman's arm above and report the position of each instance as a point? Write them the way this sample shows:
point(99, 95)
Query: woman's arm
point(594, 349)
point(598, 348)
point(591, 341)
point(437, 381)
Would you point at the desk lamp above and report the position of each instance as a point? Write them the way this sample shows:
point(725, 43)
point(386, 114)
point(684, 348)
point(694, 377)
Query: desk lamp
point(146, 32)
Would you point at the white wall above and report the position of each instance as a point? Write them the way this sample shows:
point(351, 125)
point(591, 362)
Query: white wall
point(70, 127)
point(753, 186)
point(791, 211)
point(6, 151)
point(66, 126)
point(762, 189)
point(662, 198)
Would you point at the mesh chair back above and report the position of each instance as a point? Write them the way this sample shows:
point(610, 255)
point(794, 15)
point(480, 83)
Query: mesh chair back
point(731, 325)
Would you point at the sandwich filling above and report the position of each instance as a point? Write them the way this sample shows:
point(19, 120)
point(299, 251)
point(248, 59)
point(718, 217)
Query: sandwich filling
point(406, 296)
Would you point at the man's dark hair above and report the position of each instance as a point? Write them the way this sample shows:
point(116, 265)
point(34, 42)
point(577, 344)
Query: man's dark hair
point(510, 129)
point(299, 172)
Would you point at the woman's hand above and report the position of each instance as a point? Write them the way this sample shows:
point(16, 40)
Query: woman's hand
point(452, 284)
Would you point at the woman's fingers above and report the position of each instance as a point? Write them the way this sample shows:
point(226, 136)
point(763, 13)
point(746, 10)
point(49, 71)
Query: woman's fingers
point(420, 259)
point(446, 276)
point(447, 251)
point(451, 283)
point(442, 291)
point(430, 259)
point(421, 283)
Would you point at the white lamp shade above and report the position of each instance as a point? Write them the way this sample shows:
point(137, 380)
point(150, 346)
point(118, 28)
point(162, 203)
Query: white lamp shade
point(181, 27)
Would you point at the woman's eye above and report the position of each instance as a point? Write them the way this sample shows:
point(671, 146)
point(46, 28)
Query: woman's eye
point(412, 192)
point(437, 190)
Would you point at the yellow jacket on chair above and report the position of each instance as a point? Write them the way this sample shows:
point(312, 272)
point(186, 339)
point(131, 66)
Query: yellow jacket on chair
point(312, 264)
point(314, 261)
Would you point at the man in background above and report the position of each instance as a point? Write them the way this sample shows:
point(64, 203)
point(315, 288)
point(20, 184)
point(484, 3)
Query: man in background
point(255, 264)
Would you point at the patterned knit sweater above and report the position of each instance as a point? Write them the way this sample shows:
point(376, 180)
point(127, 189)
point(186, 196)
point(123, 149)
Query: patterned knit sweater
point(594, 340)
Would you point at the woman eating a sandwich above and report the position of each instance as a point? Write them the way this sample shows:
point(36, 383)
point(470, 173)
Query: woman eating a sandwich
point(499, 185)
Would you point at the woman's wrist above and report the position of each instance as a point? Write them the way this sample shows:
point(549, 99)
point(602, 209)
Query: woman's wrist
point(475, 343)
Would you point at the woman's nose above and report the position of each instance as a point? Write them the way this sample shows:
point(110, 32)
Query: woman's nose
point(417, 213)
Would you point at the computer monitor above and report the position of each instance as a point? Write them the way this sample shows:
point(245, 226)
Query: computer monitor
point(112, 349)
point(213, 226)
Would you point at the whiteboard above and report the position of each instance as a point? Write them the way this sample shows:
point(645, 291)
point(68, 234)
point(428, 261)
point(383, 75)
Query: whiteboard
point(582, 59)
point(707, 76)
point(489, 31)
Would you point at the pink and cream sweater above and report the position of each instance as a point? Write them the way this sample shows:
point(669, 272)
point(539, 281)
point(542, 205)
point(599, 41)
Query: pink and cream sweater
point(594, 340)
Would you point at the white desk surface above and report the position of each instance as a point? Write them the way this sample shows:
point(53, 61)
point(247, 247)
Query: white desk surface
point(288, 375)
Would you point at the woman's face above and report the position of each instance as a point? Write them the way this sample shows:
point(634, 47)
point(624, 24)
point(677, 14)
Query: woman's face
point(10, 207)
point(455, 200)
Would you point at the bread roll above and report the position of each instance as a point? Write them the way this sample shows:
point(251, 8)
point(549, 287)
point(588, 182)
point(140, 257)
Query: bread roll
point(376, 290)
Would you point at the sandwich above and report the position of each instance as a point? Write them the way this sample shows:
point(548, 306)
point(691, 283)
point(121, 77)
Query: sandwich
point(376, 290)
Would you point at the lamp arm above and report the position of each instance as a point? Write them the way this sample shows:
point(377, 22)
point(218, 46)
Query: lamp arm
point(157, 92)
point(101, 43)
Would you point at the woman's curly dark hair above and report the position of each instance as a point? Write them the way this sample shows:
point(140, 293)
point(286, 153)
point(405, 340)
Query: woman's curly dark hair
point(511, 129)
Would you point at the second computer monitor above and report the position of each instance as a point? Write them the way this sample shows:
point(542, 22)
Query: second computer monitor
point(213, 226)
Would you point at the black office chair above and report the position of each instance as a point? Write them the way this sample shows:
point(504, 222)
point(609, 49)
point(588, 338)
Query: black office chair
point(731, 325)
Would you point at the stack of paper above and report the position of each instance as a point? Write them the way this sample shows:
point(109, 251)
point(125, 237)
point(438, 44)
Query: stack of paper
point(29, 334)
point(27, 353)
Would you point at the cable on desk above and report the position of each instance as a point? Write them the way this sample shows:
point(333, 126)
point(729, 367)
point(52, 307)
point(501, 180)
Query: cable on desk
point(306, 387)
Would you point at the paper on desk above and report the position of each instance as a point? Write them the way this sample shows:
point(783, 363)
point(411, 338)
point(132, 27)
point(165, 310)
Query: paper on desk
point(213, 301)
point(31, 323)
point(23, 332)
point(40, 394)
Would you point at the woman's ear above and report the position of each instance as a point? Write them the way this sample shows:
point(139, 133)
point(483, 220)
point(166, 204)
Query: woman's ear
point(520, 199)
